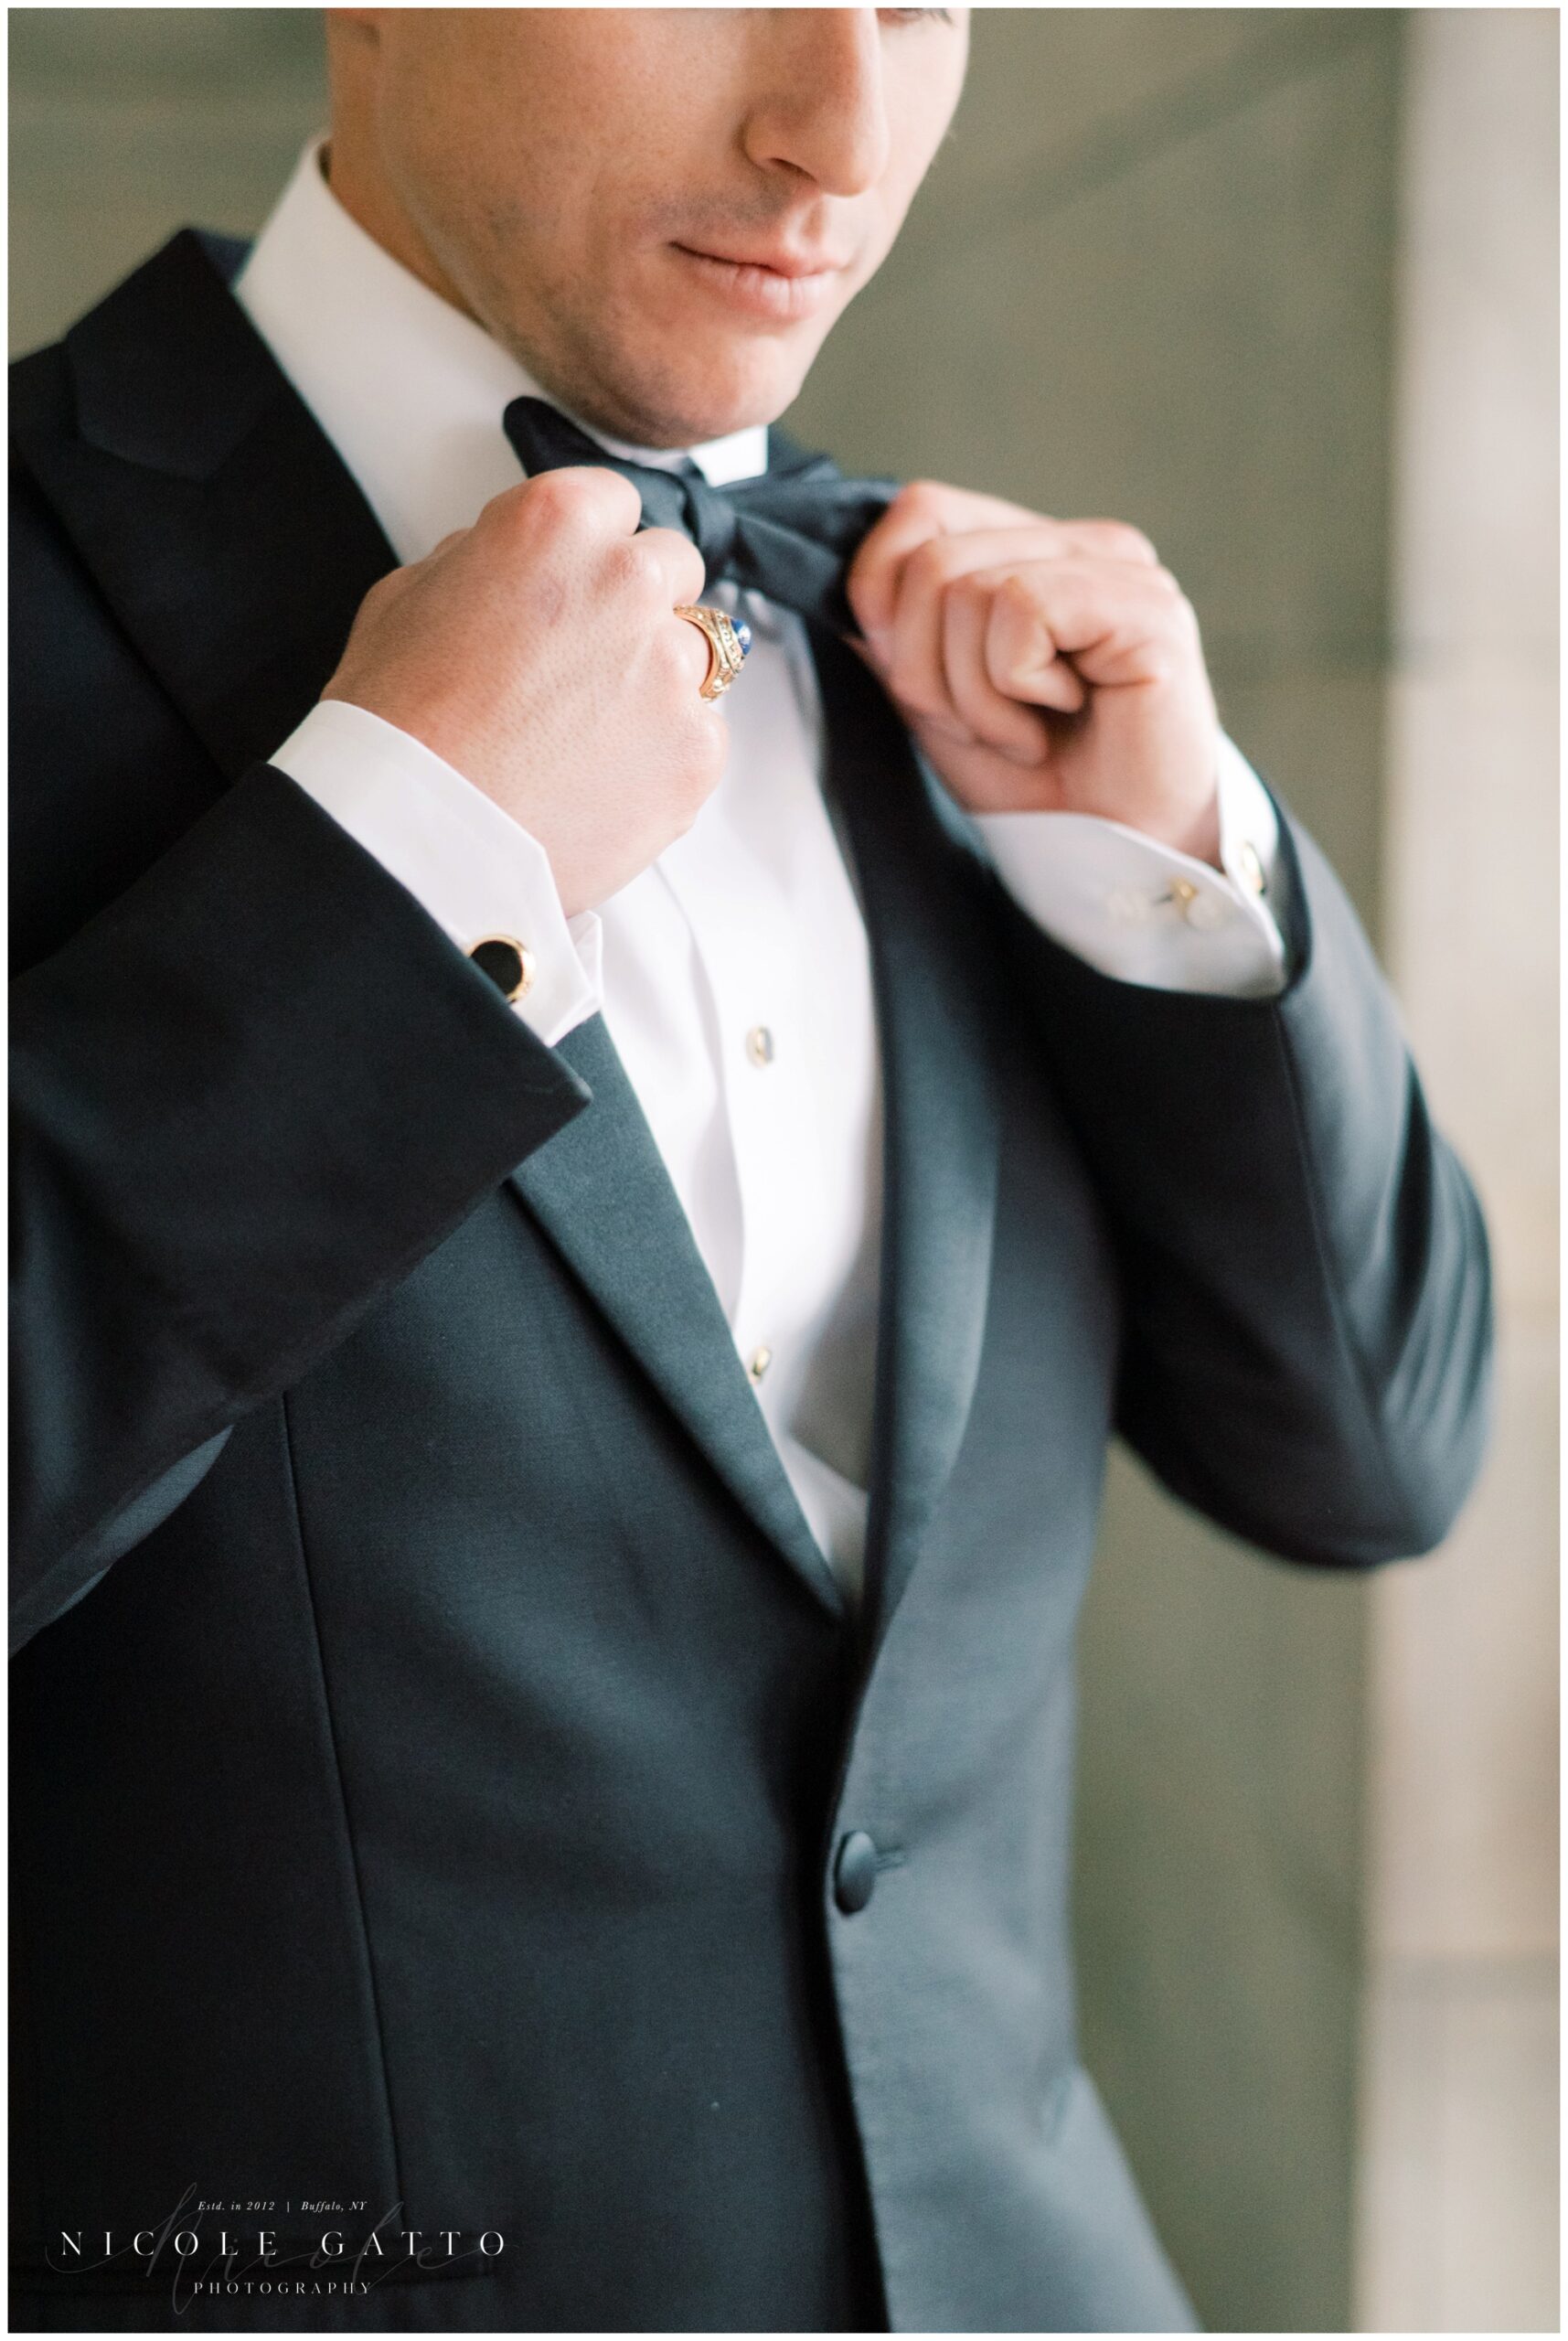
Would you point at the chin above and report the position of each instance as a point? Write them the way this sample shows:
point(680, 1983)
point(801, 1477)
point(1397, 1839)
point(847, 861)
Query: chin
point(695, 396)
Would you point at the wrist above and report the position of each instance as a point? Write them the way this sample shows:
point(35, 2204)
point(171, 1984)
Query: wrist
point(1201, 836)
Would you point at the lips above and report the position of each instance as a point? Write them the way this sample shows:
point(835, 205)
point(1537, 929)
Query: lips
point(782, 288)
point(779, 261)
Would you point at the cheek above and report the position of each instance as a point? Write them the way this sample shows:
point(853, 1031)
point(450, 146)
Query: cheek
point(920, 107)
point(496, 126)
point(907, 166)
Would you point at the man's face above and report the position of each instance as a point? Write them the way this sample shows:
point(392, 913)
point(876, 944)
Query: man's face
point(661, 212)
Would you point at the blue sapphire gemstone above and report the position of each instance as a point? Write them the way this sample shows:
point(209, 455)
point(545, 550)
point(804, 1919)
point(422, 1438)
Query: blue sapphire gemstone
point(743, 634)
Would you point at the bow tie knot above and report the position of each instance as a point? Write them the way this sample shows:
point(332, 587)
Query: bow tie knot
point(790, 533)
point(713, 522)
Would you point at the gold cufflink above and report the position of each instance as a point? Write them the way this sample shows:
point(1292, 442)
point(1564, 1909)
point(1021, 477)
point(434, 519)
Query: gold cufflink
point(510, 965)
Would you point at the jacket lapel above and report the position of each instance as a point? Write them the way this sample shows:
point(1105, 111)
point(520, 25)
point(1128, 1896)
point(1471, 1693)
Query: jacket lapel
point(924, 897)
point(218, 520)
point(235, 547)
point(601, 1193)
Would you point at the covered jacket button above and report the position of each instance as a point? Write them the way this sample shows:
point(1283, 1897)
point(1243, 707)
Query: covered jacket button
point(855, 1872)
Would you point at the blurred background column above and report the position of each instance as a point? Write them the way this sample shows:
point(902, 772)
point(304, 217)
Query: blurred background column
point(1459, 2187)
point(1157, 273)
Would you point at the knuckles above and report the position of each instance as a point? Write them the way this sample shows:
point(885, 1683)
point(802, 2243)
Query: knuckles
point(577, 496)
point(1020, 593)
point(533, 505)
point(681, 569)
point(920, 499)
point(928, 564)
point(1121, 540)
point(551, 505)
point(384, 592)
point(1178, 611)
point(973, 589)
point(633, 567)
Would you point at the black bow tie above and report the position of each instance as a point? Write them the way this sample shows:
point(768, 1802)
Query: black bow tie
point(791, 532)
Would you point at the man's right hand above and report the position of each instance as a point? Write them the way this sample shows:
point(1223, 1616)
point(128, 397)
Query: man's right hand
point(538, 653)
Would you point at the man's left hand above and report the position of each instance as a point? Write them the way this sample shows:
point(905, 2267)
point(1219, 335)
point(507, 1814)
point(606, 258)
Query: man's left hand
point(1043, 666)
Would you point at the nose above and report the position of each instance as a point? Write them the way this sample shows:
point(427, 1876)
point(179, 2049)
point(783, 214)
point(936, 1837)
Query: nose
point(825, 113)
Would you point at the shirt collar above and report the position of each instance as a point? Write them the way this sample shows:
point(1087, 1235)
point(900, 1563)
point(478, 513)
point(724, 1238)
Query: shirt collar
point(409, 391)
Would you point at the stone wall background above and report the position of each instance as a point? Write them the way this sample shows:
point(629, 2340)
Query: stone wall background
point(1183, 266)
point(1459, 2165)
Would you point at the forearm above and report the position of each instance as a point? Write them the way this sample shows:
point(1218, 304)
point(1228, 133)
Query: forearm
point(1306, 1285)
point(250, 1097)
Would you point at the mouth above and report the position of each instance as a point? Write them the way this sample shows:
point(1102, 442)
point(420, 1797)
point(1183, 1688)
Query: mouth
point(780, 285)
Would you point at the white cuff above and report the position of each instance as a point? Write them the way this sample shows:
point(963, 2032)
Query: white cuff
point(1144, 912)
point(475, 870)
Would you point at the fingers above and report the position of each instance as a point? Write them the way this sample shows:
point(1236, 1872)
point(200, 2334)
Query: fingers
point(585, 506)
point(1021, 658)
point(912, 644)
point(587, 497)
point(985, 715)
point(682, 571)
point(922, 510)
point(926, 510)
point(589, 500)
point(1118, 625)
point(1112, 541)
point(975, 653)
point(921, 528)
point(689, 650)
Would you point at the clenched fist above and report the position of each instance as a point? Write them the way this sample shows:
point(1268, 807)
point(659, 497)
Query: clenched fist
point(539, 654)
point(1043, 666)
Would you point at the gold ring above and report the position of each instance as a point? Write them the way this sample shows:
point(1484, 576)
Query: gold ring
point(727, 644)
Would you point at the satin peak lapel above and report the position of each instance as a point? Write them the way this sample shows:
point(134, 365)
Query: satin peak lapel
point(924, 905)
point(601, 1192)
point(219, 522)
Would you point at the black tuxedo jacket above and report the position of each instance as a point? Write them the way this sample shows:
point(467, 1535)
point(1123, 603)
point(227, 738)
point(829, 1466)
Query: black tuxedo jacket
point(436, 1730)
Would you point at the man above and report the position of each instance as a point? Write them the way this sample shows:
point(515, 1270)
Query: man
point(546, 1585)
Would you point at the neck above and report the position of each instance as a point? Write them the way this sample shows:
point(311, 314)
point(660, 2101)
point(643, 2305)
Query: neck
point(364, 195)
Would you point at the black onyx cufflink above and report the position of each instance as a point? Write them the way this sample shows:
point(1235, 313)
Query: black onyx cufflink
point(508, 964)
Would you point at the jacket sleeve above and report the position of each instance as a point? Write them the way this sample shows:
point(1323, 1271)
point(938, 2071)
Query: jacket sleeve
point(1307, 1295)
point(248, 1097)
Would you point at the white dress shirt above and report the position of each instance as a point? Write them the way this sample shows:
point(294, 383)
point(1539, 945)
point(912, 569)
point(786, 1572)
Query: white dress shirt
point(733, 973)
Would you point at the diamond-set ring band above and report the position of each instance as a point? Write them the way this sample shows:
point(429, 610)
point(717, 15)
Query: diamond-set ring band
point(728, 638)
